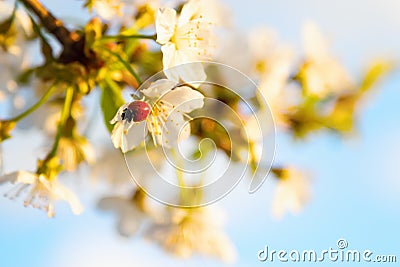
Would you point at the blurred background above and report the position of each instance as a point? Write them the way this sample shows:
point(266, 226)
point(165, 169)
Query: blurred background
point(355, 181)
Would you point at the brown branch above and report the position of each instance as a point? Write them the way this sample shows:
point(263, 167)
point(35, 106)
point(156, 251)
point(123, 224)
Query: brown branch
point(73, 43)
point(52, 24)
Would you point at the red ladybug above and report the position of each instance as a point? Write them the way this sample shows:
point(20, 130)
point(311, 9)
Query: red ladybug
point(136, 111)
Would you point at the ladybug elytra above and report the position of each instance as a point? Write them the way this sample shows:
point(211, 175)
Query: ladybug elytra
point(136, 111)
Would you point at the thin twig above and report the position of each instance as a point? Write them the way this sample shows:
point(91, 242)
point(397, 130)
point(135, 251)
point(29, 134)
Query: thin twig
point(52, 24)
point(134, 36)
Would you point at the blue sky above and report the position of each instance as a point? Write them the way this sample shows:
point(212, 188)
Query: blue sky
point(356, 182)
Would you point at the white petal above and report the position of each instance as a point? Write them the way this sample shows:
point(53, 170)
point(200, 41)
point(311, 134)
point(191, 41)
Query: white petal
point(104, 10)
point(117, 204)
point(184, 99)
point(72, 200)
point(174, 130)
point(252, 128)
point(191, 73)
point(129, 224)
point(210, 10)
point(129, 216)
point(59, 191)
point(159, 88)
point(315, 45)
point(165, 24)
point(117, 134)
point(262, 42)
point(279, 204)
point(291, 194)
point(118, 116)
point(19, 177)
point(134, 136)
point(170, 56)
point(184, 132)
point(25, 22)
point(189, 11)
point(89, 152)
point(127, 136)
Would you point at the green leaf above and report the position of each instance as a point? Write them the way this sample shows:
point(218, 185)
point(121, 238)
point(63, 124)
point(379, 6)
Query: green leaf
point(127, 65)
point(89, 5)
point(377, 70)
point(111, 100)
point(93, 31)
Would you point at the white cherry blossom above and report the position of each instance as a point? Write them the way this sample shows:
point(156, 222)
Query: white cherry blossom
point(273, 62)
point(185, 38)
point(166, 115)
point(188, 231)
point(40, 192)
point(13, 55)
point(323, 74)
point(130, 216)
point(292, 193)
